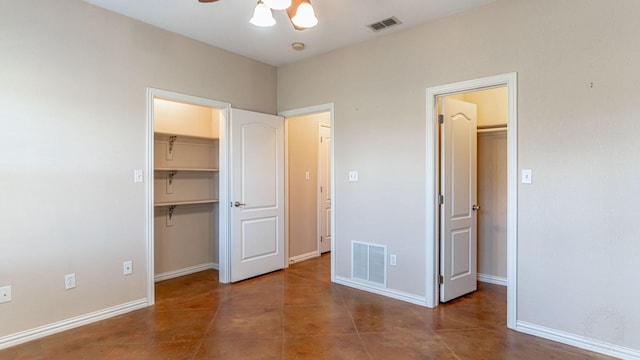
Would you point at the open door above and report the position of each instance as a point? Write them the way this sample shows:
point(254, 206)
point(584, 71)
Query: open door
point(324, 165)
point(458, 172)
point(257, 194)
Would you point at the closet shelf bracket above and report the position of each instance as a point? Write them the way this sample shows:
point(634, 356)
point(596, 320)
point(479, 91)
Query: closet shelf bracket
point(172, 139)
point(171, 209)
point(172, 173)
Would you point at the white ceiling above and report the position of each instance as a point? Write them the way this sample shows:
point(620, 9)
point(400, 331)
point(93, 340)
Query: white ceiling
point(225, 23)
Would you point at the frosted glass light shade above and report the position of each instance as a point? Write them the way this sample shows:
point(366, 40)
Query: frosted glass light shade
point(262, 16)
point(305, 17)
point(277, 4)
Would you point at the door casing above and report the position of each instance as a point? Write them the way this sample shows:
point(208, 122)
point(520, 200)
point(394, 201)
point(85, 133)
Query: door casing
point(432, 239)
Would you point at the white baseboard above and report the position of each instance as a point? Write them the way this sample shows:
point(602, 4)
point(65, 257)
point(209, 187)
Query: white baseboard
point(578, 341)
point(60, 326)
point(185, 271)
point(491, 279)
point(395, 294)
point(303, 257)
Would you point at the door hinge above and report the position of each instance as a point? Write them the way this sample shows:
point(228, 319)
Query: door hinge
point(440, 119)
point(440, 279)
point(440, 199)
point(320, 139)
point(321, 240)
point(320, 188)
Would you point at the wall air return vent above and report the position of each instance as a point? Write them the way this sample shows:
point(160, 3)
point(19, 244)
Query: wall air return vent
point(383, 24)
point(369, 263)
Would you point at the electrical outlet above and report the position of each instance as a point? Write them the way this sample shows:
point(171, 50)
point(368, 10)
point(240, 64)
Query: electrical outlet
point(393, 260)
point(70, 281)
point(127, 267)
point(353, 176)
point(5, 294)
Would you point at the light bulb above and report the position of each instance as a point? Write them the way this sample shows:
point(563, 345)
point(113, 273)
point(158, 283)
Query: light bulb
point(277, 4)
point(262, 16)
point(305, 17)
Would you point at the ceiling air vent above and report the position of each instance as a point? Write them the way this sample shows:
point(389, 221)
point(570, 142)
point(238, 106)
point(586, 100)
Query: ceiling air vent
point(383, 24)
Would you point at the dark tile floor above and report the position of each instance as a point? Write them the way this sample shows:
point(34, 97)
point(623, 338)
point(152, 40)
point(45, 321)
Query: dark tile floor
point(297, 314)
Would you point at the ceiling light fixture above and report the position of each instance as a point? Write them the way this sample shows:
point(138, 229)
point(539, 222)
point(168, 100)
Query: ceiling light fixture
point(262, 16)
point(305, 16)
point(299, 11)
point(277, 4)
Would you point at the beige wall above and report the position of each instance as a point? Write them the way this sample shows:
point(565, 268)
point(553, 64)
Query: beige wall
point(73, 112)
point(577, 222)
point(303, 136)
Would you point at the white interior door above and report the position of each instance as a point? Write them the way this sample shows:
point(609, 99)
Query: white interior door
point(257, 194)
point(325, 187)
point(458, 229)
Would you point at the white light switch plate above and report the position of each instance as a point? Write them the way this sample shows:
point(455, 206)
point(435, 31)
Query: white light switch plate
point(526, 176)
point(353, 176)
point(137, 176)
point(5, 294)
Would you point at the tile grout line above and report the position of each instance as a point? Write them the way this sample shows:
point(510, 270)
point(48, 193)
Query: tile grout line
point(213, 319)
point(445, 345)
point(344, 303)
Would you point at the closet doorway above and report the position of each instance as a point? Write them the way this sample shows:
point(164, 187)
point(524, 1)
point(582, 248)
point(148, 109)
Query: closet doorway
point(186, 183)
point(473, 237)
point(434, 254)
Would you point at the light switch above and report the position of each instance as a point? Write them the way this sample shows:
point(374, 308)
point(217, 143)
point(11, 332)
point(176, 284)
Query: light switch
point(353, 176)
point(137, 176)
point(526, 176)
point(307, 176)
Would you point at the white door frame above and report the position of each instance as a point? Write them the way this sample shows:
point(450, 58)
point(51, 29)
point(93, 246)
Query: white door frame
point(223, 261)
point(301, 112)
point(432, 240)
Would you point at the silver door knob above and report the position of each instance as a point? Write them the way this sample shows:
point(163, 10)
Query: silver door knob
point(475, 207)
point(238, 204)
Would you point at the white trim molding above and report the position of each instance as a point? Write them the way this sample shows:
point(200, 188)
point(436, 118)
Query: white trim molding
point(394, 294)
point(185, 271)
point(432, 242)
point(67, 324)
point(303, 257)
point(578, 341)
point(491, 279)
